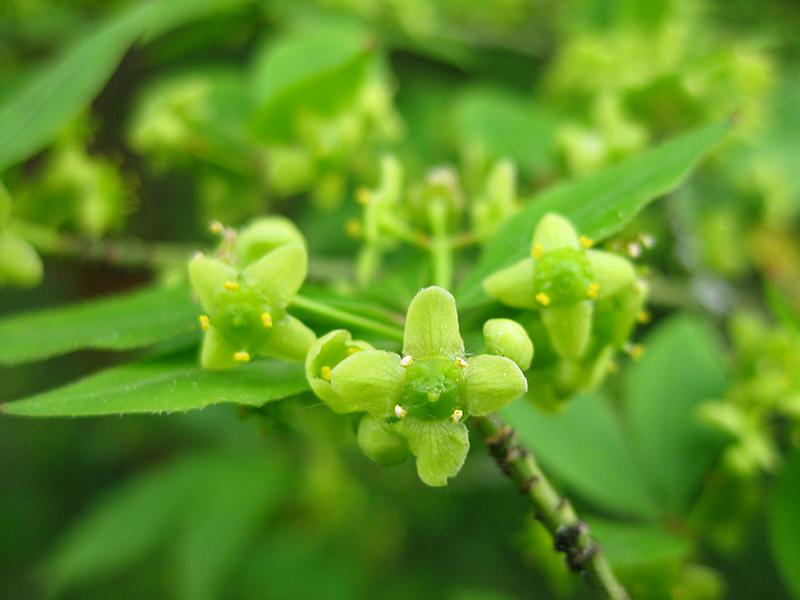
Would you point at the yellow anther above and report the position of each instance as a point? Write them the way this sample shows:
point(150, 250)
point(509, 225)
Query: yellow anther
point(586, 242)
point(457, 415)
point(399, 411)
point(537, 251)
point(353, 228)
point(593, 290)
point(635, 351)
point(242, 356)
point(543, 299)
point(325, 373)
point(205, 323)
point(353, 350)
point(231, 286)
point(216, 227)
point(363, 195)
point(461, 363)
point(266, 319)
point(613, 366)
point(406, 361)
point(644, 316)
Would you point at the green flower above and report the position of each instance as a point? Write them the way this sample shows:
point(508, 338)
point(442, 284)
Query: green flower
point(563, 279)
point(427, 394)
point(246, 308)
point(20, 265)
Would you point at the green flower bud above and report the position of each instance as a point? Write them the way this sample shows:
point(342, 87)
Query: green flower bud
point(508, 338)
point(326, 353)
point(290, 170)
point(264, 235)
point(499, 201)
point(381, 441)
point(569, 327)
point(19, 264)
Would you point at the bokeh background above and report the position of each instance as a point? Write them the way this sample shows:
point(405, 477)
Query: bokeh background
point(230, 109)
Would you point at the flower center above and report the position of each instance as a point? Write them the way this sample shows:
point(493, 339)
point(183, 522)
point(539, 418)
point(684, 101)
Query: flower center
point(564, 276)
point(240, 316)
point(433, 388)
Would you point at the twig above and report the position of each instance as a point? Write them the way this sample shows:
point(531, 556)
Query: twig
point(570, 535)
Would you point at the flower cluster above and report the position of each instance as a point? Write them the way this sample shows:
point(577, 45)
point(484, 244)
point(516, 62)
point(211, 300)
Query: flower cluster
point(582, 304)
point(419, 401)
point(19, 264)
point(245, 292)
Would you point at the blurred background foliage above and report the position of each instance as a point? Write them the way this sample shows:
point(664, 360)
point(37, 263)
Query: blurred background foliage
point(171, 115)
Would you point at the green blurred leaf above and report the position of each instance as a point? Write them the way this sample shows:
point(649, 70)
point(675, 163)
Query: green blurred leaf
point(784, 526)
point(124, 322)
point(585, 447)
point(682, 366)
point(502, 125)
point(36, 112)
point(598, 205)
point(634, 545)
point(318, 69)
point(182, 500)
point(162, 385)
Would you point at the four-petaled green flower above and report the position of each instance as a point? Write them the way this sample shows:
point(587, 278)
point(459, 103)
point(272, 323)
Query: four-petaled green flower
point(425, 395)
point(246, 307)
point(562, 279)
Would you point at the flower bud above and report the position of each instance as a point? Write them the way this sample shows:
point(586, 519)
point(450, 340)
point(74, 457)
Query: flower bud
point(19, 264)
point(263, 235)
point(323, 356)
point(508, 338)
point(380, 442)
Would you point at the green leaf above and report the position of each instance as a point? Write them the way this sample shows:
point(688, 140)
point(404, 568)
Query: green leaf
point(682, 367)
point(598, 205)
point(633, 545)
point(320, 69)
point(784, 526)
point(162, 385)
point(176, 501)
point(585, 447)
point(135, 320)
point(32, 116)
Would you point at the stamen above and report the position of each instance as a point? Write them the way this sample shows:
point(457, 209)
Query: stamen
point(537, 251)
point(593, 290)
point(216, 227)
point(543, 299)
point(635, 351)
point(242, 356)
point(231, 286)
point(406, 361)
point(461, 363)
point(354, 350)
point(325, 373)
point(266, 320)
point(457, 415)
point(644, 316)
point(363, 195)
point(586, 242)
point(634, 249)
point(400, 412)
point(353, 228)
point(205, 323)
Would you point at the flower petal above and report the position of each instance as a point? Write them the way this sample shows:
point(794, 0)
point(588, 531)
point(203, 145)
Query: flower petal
point(288, 339)
point(491, 382)
point(208, 277)
point(432, 325)
point(280, 273)
point(217, 353)
point(508, 338)
point(440, 447)
point(323, 356)
point(553, 232)
point(569, 326)
point(369, 381)
point(264, 235)
point(611, 271)
point(513, 285)
point(381, 441)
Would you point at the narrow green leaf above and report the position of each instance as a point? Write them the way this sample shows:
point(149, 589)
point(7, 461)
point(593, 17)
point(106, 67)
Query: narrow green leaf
point(124, 322)
point(164, 385)
point(35, 113)
point(636, 544)
point(682, 366)
point(784, 526)
point(584, 446)
point(598, 205)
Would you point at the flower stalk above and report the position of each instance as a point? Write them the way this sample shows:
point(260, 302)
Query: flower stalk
point(570, 535)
